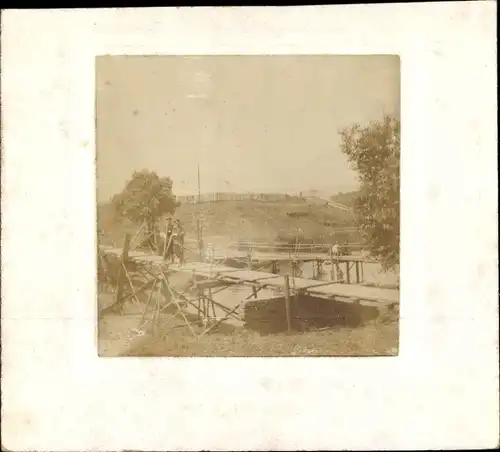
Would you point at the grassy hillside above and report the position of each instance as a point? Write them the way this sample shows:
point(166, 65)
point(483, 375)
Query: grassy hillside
point(346, 198)
point(248, 221)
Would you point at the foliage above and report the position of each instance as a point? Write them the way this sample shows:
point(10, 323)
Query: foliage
point(374, 152)
point(347, 199)
point(146, 197)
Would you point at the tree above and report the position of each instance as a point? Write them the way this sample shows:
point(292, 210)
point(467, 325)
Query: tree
point(145, 198)
point(374, 152)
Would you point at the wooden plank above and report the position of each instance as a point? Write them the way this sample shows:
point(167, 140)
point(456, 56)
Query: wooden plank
point(307, 284)
point(361, 292)
point(267, 277)
point(268, 299)
point(322, 288)
point(210, 283)
point(319, 284)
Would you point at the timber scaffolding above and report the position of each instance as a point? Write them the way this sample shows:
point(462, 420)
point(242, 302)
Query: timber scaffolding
point(263, 256)
point(209, 278)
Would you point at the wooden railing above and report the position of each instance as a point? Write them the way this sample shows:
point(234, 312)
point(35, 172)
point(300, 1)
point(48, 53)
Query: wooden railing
point(282, 246)
point(288, 247)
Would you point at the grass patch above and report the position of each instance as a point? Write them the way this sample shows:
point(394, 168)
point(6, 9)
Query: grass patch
point(374, 339)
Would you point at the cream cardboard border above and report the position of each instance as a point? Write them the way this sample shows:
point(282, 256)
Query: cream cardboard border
point(441, 392)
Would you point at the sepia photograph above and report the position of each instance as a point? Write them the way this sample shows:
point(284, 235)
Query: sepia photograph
point(190, 183)
point(248, 205)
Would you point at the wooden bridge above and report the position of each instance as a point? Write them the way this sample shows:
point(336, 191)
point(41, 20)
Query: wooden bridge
point(372, 296)
point(207, 276)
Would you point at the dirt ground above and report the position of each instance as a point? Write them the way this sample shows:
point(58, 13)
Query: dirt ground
point(373, 340)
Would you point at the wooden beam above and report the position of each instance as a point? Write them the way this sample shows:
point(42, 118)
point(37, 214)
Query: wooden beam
point(121, 272)
point(210, 283)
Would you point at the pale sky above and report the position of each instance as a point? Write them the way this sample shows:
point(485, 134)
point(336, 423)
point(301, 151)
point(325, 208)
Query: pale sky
point(255, 123)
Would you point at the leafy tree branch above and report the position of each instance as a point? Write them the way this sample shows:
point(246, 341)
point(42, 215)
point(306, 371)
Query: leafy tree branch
point(374, 152)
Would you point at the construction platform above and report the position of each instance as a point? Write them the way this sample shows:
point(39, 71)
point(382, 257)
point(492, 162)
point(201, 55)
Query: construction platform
point(225, 275)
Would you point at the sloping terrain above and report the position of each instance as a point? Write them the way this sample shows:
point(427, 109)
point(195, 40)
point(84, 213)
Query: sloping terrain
point(266, 221)
point(346, 198)
point(232, 221)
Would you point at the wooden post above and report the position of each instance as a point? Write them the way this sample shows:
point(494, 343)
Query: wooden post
point(287, 304)
point(347, 275)
point(357, 272)
point(199, 239)
point(198, 307)
point(153, 290)
point(121, 272)
point(332, 271)
point(362, 272)
point(211, 301)
point(156, 313)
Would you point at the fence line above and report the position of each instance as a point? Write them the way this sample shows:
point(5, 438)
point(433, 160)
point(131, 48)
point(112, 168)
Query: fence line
point(223, 196)
point(254, 196)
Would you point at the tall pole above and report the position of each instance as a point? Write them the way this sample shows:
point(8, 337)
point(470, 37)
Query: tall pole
point(199, 90)
point(199, 189)
point(198, 220)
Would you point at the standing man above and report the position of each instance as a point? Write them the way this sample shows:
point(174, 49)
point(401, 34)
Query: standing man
point(335, 249)
point(178, 238)
point(209, 255)
point(168, 246)
point(336, 252)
